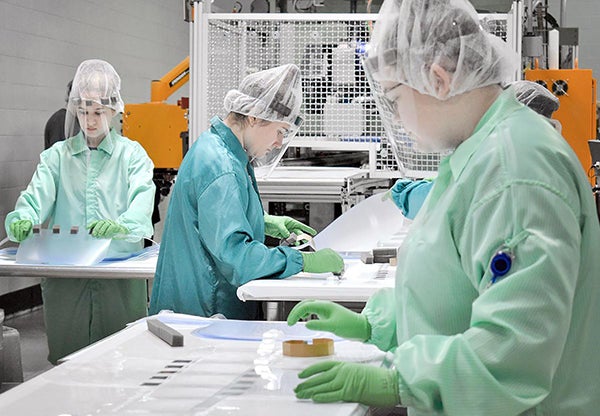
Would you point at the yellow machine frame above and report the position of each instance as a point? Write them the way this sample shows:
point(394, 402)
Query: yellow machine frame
point(576, 91)
point(158, 126)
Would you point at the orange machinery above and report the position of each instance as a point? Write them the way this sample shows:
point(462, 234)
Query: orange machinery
point(576, 91)
point(161, 128)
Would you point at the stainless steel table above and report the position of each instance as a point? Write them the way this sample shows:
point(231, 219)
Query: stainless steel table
point(139, 267)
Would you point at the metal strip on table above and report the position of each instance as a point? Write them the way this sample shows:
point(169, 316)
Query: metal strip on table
point(127, 269)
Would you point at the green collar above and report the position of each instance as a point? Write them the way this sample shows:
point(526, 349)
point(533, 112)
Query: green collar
point(79, 144)
point(504, 105)
point(230, 139)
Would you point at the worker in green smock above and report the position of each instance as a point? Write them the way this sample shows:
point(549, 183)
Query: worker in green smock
point(213, 239)
point(98, 180)
point(495, 307)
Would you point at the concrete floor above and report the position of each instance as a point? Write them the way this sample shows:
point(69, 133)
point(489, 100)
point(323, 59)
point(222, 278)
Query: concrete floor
point(33, 343)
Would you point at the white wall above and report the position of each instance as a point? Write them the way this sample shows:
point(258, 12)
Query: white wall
point(41, 45)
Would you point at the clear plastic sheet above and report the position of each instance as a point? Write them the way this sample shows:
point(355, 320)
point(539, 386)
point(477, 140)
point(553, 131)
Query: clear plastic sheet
point(364, 226)
point(62, 248)
point(258, 331)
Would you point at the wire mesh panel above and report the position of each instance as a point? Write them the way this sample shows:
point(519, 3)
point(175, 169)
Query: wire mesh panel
point(338, 104)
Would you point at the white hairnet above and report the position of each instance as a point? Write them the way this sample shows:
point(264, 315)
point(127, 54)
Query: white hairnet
point(536, 97)
point(274, 95)
point(95, 91)
point(412, 35)
point(97, 81)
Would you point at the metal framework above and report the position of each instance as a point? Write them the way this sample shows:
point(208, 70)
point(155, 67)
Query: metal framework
point(340, 110)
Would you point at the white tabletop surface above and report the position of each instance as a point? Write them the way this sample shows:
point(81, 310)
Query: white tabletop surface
point(357, 284)
point(135, 373)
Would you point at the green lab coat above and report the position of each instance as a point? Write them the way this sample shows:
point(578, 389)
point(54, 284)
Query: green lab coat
point(73, 186)
point(214, 232)
point(528, 343)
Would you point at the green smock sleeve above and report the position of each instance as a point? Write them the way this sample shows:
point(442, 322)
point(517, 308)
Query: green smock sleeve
point(508, 356)
point(409, 195)
point(227, 235)
point(140, 196)
point(382, 318)
point(36, 202)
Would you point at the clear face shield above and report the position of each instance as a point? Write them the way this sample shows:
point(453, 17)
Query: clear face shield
point(401, 144)
point(93, 101)
point(274, 97)
point(90, 117)
point(410, 38)
point(264, 165)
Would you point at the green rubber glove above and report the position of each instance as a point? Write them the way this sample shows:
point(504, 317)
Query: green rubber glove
point(282, 226)
point(21, 229)
point(323, 261)
point(332, 318)
point(106, 229)
point(334, 381)
point(386, 195)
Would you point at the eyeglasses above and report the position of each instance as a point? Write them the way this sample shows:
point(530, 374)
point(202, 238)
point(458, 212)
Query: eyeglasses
point(283, 132)
point(386, 91)
point(390, 102)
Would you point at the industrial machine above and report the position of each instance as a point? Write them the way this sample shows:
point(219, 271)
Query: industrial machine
point(341, 114)
point(576, 91)
point(594, 171)
point(550, 57)
point(161, 128)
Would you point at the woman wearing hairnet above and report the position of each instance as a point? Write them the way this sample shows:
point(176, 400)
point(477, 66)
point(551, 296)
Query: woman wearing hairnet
point(495, 307)
point(215, 226)
point(409, 195)
point(98, 180)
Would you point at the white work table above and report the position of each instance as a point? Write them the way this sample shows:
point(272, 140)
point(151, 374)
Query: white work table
point(135, 373)
point(357, 284)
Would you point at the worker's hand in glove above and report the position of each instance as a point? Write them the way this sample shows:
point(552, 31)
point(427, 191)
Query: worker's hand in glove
point(323, 261)
point(282, 226)
point(332, 318)
point(21, 229)
point(333, 381)
point(107, 229)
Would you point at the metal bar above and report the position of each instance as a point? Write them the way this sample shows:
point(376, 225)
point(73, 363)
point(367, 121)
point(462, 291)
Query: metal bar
point(563, 13)
point(24, 270)
point(297, 17)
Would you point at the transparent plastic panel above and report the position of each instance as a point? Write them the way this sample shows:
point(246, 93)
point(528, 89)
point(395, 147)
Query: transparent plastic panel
point(63, 248)
point(364, 226)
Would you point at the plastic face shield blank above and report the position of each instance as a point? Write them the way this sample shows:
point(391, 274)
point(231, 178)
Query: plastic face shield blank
point(366, 225)
point(62, 248)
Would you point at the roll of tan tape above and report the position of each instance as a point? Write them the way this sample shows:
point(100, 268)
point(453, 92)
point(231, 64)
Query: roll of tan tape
point(319, 347)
